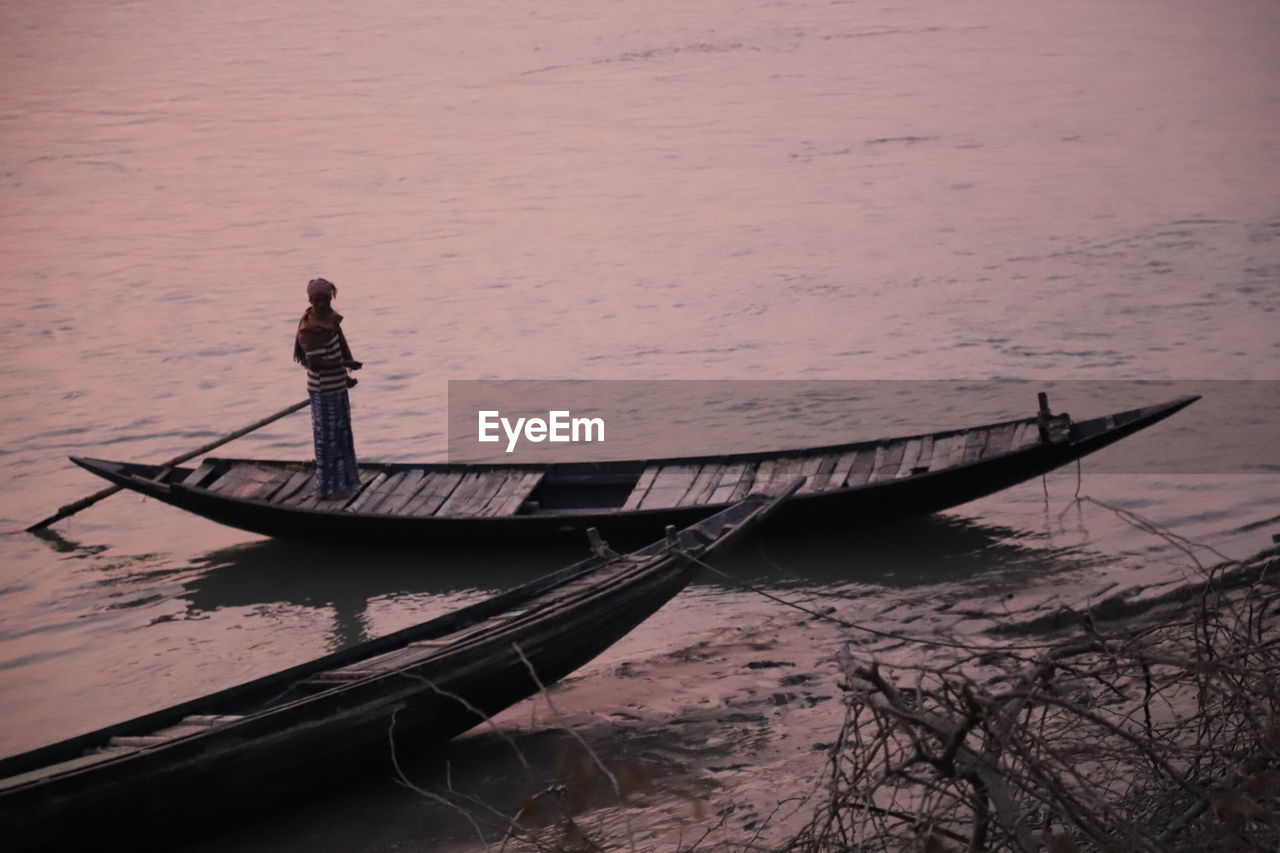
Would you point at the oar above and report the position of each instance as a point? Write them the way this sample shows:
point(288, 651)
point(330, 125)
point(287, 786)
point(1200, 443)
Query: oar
point(72, 509)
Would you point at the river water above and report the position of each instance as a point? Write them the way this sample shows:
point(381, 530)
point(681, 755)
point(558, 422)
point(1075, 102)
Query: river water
point(821, 191)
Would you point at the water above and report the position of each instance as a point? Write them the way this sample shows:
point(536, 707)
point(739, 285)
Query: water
point(760, 190)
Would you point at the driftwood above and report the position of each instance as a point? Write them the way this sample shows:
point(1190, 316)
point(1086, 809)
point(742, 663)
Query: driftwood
point(1159, 736)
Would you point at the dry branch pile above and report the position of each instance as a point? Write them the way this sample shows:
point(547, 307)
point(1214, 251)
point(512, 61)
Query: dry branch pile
point(1162, 735)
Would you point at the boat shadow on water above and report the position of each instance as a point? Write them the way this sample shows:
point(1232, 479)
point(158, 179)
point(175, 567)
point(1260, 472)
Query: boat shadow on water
point(913, 552)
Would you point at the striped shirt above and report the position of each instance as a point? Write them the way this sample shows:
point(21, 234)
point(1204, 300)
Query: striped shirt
point(328, 379)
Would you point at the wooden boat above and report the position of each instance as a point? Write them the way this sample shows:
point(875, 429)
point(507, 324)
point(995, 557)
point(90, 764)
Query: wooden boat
point(249, 745)
point(631, 500)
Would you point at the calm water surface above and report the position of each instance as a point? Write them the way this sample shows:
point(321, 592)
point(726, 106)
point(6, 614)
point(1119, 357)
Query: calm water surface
point(750, 190)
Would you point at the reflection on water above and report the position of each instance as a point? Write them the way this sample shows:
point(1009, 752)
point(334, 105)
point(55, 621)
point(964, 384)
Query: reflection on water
point(347, 580)
point(506, 772)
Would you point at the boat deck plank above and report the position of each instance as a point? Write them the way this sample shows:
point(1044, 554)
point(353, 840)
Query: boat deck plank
point(703, 485)
point(512, 494)
point(910, 458)
point(294, 478)
point(226, 482)
point(378, 492)
point(1020, 438)
point(474, 491)
point(367, 477)
point(726, 483)
point(391, 503)
point(999, 440)
point(641, 488)
point(942, 447)
point(816, 470)
point(863, 465)
point(196, 477)
point(975, 440)
point(788, 468)
point(887, 467)
point(926, 456)
point(764, 473)
point(375, 490)
point(669, 486)
point(296, 489)
point(840, 472)
point(263, 481)
point(436, 489)
point(746, 481)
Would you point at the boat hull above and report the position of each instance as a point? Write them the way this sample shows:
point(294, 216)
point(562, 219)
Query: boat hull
point(907, 493)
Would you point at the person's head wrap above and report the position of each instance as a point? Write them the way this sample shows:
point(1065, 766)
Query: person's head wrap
point(318, 286)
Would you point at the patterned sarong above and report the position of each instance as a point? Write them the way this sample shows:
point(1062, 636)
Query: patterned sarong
point(335, 448)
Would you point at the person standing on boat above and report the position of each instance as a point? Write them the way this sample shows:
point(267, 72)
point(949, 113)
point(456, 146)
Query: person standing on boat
point(321, 347)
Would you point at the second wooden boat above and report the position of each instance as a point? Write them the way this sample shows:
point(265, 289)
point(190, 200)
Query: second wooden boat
point(247, 746)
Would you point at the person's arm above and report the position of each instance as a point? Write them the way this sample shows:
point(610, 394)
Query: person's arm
point(348, 360)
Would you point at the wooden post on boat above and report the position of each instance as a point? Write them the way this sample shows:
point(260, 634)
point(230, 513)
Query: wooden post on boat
point(83, 503)
point(1042, 417)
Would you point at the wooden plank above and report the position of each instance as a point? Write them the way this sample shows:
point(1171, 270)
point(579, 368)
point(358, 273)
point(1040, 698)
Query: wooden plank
point(211, 719)
point(230, 477)
point(1020, 436)
point(788, 469)
point(196, 476)
point(926, 457)
point(816, 470)
point(669, 486)
point(254, 479)
point(864, 465)
point(942, 447)
point(887, 467)
point(703, 485)
point(513, 493)
point(910, 456)
point(764, 475)
point(844, 464)
point(377, 492)
point(999, 440)
point(400, 494)
point(269, 485)
point(138, 741)
point(335, 677)
point(726, 484)
point(367, 476)
point(746, 482)
point(475, 490)
point(297, 481)
point(362, 498)
point(795, 466)
point(435, 491)
point(975, 440)
point(303, 495)
point(641, 488)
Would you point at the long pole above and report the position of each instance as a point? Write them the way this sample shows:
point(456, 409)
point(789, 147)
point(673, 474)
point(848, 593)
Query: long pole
point(73, 508)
